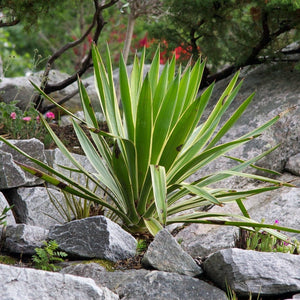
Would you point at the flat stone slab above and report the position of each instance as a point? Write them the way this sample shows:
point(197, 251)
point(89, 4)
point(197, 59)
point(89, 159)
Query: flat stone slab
point(148, 285)
point(247, 271)
point(94, 237)
point(28, 284)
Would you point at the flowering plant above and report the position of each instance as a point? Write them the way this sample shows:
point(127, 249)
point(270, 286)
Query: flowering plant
point(16, 124)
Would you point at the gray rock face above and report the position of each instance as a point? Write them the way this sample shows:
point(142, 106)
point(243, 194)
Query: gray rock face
point(94, 237)
point(32, 284)
point(33, 206)
point(165, 254)
point(281, 204)
point(293, 164)
point(21, 238)
point(203, 239)
point(10, 219)
point(246, 271)
point(148, 285)
point(20, 88)
point(277, 89)
point(56, 159)
point(12, 175)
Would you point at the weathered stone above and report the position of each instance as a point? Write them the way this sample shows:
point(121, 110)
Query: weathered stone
point(56, 159)
point(10, 219)
point(277, 89)
point(148, 285)
point(12, 175)
point(32, 206)
point(21, 238)
point(293, 164)
point(247, 271)
point(20, 88)
point(281, 204)
point(94, 237)
point(36, 284)
point(165, 254)
point(200, 240)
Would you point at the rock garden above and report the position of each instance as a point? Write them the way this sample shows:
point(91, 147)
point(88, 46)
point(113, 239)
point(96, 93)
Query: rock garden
point(182, 260)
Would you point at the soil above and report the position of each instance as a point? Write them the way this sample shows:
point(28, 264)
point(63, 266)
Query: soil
point(67, 135)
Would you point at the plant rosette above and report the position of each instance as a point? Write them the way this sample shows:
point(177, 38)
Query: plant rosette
point(159, 140)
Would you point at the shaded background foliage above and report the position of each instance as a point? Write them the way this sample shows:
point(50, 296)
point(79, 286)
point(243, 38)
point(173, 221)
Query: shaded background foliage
point(229, 34)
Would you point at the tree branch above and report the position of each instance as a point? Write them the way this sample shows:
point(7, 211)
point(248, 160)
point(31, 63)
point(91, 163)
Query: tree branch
point(97, 22)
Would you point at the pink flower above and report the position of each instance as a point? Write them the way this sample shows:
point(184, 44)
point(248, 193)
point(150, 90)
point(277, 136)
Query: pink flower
point(38, 118)
point(50, 115)
point(13, 115)
point(27, 119)
point(276, 222)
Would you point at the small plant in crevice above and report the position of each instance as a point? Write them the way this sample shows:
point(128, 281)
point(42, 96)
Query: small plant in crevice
point(260, 240)
point(46, 256)
point(141, 246)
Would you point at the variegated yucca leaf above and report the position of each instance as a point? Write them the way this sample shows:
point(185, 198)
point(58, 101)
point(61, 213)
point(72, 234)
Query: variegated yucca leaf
point(160, 139)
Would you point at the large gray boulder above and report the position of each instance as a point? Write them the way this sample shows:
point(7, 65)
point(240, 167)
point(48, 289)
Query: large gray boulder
point(148, 285)
point(94, 237)
point(11, 175)
point(32, 206)
point(20, 88)
point(56, 159)
point(29, 284)
point(277, 89)
point(23, 239)
point(246, 271)
point(165, 254)
point(280, 204)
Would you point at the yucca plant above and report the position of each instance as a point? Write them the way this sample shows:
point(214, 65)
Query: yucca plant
point(160, 140)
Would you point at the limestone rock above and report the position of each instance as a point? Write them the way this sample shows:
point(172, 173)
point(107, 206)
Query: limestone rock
point(33, 206)
point(245, 271)
point(21, 238)
point(55, 159)
point(10, 219)
point(293, 164)
point(32, 284)
point(165, 254)
point(280, 204)
point(149, 285)
point(94, 237)
point(277, 89)
point(11, 175)
point(20, 88)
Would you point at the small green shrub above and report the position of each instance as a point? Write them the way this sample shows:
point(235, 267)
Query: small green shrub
point(8, 260)
point(262, 241)
point(46, 256)
point(141, 246)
